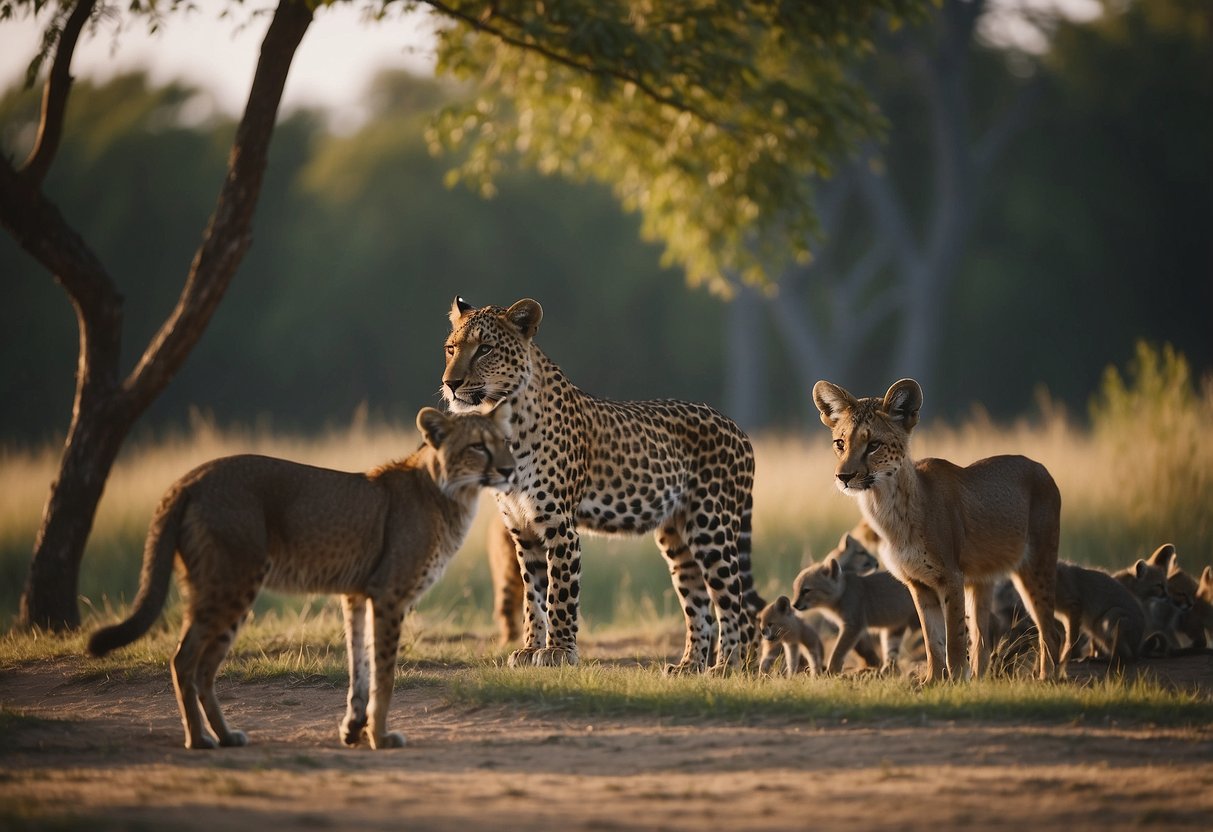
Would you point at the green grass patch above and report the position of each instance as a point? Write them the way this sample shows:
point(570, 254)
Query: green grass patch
point(601, 690)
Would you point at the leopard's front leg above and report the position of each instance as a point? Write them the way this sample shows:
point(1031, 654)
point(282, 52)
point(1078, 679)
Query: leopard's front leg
point(564, 589)
point(533, 560)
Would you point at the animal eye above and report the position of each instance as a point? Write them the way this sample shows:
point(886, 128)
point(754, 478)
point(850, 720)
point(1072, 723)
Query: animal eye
point(480, 447)
point(839, 445)
point(874, 445)
point(483, 349)
point(450, 349)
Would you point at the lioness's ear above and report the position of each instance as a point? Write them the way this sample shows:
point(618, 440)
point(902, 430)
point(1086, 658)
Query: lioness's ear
point(903, 401)
point(434, 426)
point(1163, 556)
point(1140, 567)
point(459, 308)
point(835, 568)
point(832, 401)
point(526, 315)
point(782, 603)
point(1206, 577)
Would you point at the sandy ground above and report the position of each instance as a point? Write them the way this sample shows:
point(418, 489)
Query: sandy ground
point(108, 756)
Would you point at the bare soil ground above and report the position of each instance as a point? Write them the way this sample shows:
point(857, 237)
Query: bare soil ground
point(105, 754)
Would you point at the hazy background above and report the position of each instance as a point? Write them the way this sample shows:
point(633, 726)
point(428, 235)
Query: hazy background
point(1091, 227)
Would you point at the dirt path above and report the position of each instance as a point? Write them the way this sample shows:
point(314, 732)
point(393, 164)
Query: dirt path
point(108, 756)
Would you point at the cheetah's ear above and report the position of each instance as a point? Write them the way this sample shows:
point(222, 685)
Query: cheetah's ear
point(1206, 577)
point(1139, 568)
point(835, 568)
point(832, 401)
point(459, 308)
point(782, 604)
point(434, 426)
point(526, 315)
point(1163, 556)
point(903, 402)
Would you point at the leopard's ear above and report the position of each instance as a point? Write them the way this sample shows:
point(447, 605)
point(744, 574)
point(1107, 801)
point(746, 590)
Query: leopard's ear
point(525, 315)
point(459, 308)
point(832, 402)
point(903, 402)
point(434, 426)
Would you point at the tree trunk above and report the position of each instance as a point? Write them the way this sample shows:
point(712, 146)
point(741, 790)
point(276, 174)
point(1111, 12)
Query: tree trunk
point(105, 408)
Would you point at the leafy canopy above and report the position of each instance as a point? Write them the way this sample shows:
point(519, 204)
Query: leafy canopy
point(710, 118)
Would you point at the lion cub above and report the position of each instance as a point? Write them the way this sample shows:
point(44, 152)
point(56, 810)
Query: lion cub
point(1147, 580)
point(948, 532)
point(781, 626)
point(855, 603)
point(380, 539)
point(1093, 602)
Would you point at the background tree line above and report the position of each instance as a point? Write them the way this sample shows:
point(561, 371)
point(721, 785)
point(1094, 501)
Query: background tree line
point(1091, 226)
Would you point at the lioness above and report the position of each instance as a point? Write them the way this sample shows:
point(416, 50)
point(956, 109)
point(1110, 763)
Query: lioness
point(380, 539)
point(948, 532)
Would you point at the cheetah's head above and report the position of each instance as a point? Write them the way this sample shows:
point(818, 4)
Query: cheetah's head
point(488, 353)
point(871, 435)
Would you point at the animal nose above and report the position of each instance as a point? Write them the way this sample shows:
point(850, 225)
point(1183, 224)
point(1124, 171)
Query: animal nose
point(452, 384)
point(506, 471)
point(845, 477)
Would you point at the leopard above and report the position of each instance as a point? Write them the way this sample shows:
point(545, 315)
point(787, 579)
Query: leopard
point(380, 539)
point(680, 471)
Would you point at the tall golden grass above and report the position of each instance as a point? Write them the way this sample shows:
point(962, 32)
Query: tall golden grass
point(1139, 474)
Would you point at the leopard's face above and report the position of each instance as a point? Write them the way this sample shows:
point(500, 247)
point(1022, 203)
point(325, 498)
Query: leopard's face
point(819, 585)
point(871, 435)
point(488, 356)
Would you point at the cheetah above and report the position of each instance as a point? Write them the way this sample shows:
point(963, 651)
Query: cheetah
point(681, 471)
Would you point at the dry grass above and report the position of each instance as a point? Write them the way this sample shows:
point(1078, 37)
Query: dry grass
point(1140, 476)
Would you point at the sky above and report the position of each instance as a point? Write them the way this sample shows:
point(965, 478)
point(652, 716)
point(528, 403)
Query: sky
point(339, 55)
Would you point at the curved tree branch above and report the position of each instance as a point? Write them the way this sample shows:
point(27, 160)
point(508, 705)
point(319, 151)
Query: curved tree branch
point(481, 24)
point(229, 233)
point(55, 95)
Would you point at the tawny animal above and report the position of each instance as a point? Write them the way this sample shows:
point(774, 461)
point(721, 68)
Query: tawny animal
point(857, 603)
point(1146, 578)
point(948, 532)
point(506, 575)
point(380, 539)
point(1093, 602)
point(853, 556)
point(781, 627)
point(680, 470)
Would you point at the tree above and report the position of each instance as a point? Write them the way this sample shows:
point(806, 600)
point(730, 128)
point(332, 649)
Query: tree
point(707, 117)
point(915, 201)
point(107, 403)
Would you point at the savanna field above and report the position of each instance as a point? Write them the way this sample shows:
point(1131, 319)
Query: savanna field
point(612, 743)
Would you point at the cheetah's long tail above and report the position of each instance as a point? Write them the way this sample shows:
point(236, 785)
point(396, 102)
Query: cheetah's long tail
point(158, 554)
